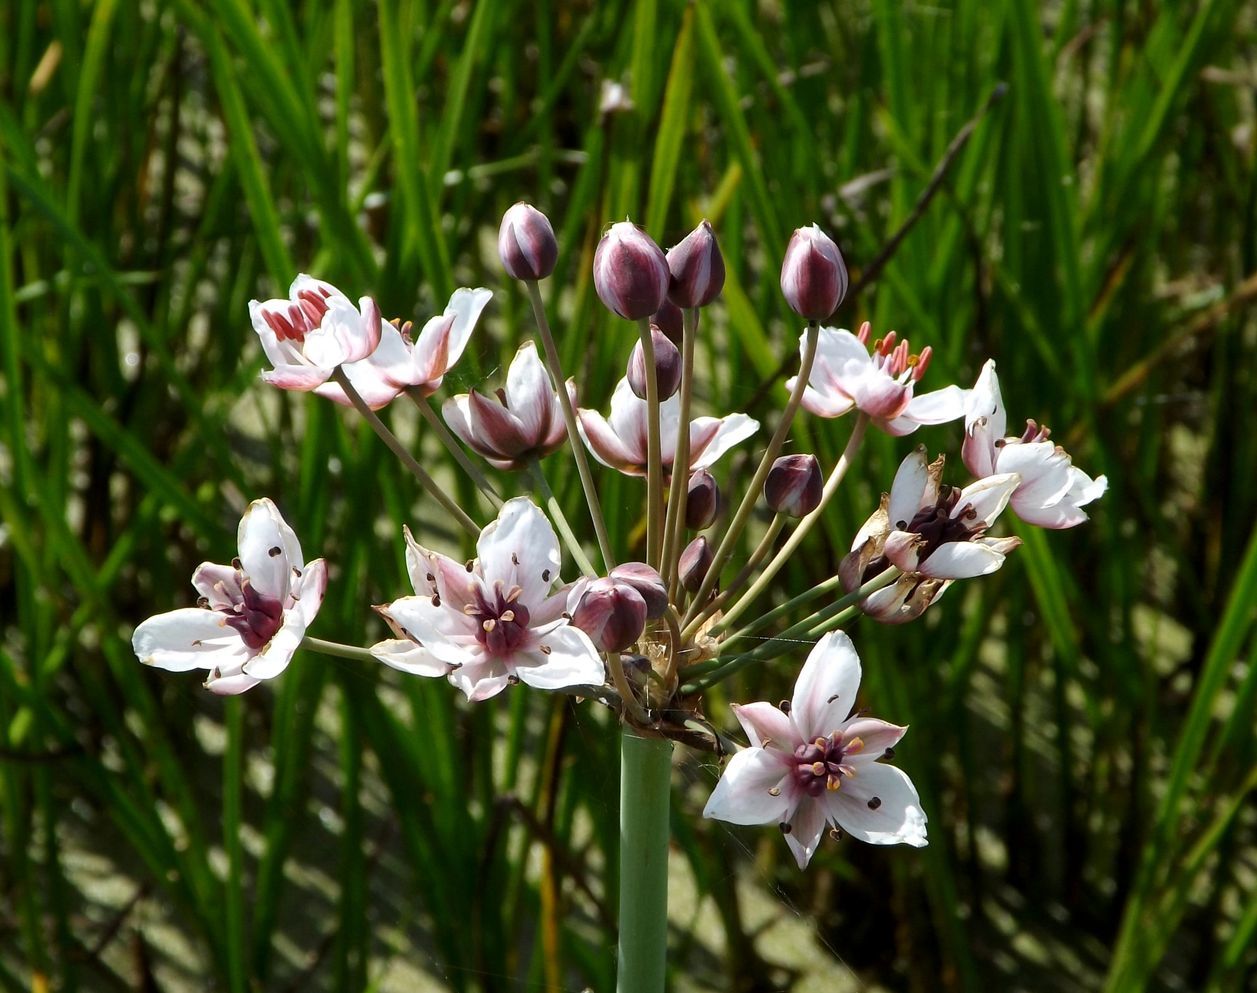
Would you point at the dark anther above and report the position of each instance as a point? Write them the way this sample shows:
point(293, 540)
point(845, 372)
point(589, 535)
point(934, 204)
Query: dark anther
point(832, 698)
point(545, 575)
point(470, 564)
point(296, 572)
point(274, 550)
point(875, 802)
point(436, 599)
point(546, 649)
point(785, 827)
point(784, 707)
point(514, 559)
point(835, 834)
point(202, 601)
point(431, 578)
point(888, 754)
point(198, 643)
point(237, 565)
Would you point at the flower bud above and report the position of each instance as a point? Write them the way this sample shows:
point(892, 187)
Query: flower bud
point(694, 563)
point(630, 272)
point(813, 275)
point(697, 268)
point(668, 319)
point(645, 581)
point(612, 614)
point(702, 501)
point(526, 243)
point(794, 485)
point(667, 366)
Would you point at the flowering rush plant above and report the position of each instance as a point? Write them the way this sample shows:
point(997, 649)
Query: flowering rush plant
point(645, 631)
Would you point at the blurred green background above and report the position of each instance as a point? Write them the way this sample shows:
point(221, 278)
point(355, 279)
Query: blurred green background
point(1082, 722)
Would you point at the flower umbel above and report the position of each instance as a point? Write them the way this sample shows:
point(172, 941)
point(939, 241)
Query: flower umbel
point(812, 764)
point(252, 614)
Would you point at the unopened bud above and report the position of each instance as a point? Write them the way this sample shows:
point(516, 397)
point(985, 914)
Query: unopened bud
point(697, 268)
point(612, 614)
point(702, 501)
point(669, 319)
point(667, 366)
point(630, 272)
point(647, 582)
point(694, 563)
point(813, 275)
point(794, 485)
point(526, 243)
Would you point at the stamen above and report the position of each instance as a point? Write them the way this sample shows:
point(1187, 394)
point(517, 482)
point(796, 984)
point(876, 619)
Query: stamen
point(888, 754)
point(489, 624)
point(202, 601)
point(436, 599)
point(546, 649)
point(274, 550)
point(514, 559)
point(507, 616)
point(775, 791)
point(545, 575)
point(513, 594)
point(863, 333)
point(784, 706)
point(874, 802)
point(856, 744)
point(785, 827)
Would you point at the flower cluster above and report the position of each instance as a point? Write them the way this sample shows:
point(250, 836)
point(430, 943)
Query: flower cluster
point(645, 637)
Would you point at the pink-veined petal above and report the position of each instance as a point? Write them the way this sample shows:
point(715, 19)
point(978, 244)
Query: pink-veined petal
point(529, 393)
point(764, 723)
point(573, 661)
point(937, 406)
point(269, 549)
point(449, 635)
point(408, 657)
point(982, 502)
point(296, 377)
point(807, 825)
point(278, 652)
point(230, 683)
point(910, 490)
point(744, 794)
point(605, 445)
point(876, 735)
point(520, 549)
point(628, 420)
point(217, 583)
point(825, 691)
point(731, 429)
point(961, 560)
point(895, 819)
point(188, 638)
point(1044, 469)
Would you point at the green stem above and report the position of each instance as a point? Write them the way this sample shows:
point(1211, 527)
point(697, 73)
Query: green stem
point(569, 418)
point(408, 460)
point(645, 791)
point(751, 497)
point(761, 552)
point(654, 454)
point(674, 524)
point(805, 526)
point(560, 521)
point(337, 649)
point(451, 443)
point(233, 898)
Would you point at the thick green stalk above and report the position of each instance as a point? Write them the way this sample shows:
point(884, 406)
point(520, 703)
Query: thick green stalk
point(233, 898)
point(645, 788)
point(654, 455)
point(751, 497)
point(569, 418)
point(729, 592)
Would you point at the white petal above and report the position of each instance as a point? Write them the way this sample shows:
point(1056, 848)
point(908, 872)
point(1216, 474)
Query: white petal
point(190, 638)
point(987, 498)
point(898, 818)
point(961, 560)
point(529, 391)
point(606, 446)
point(807, 824)
point(825, 691)
point(336, 338)
point(481, 680)
point(446, 632)
point(408, 657)
point(744, 793)
point(309, 589)
point(269, 549)
point(520, 549)
point(230, 684)
point(465, 307)
point(417, 565)
point(937, 407)
point(573, 661)
point(1044, 469)
point(763, 723)
point(278, 652)
point(217, 583)
point(628, 420)
point(877, 736)
point(909, 489)
point(733, 428)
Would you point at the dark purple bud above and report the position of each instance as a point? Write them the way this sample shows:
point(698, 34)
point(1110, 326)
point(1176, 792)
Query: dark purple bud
point(612, 614)
point(702, 501)
point(667, 366)
point(630, 272)
point(794, 485)
point(694, 563)
point(647, 582)
point(813, 275)
point(668, 319)
point(697, 268)
point(526, 243)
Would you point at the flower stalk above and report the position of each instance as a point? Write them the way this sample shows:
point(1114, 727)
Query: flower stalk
point(560, 519)
point(674, 524)
point(645, 788)
point(454, 448)
point(654, 451)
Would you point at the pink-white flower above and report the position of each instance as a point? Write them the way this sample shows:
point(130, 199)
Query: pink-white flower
point(620, 440)
point(315, 330)
point(524, 422)
point(811, 764)
point(845, 377)
point(504, 619)
point(400, 363)
point(1052, 489)
point(252, 614)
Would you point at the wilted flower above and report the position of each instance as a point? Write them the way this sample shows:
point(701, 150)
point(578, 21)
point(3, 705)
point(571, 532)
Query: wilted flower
point(702, 501)
point(694, 562)
point(813, 275)
point(613, 614)
point(252, 614)
point(667, 366)
point(398, 363)
point(697, 268)
point(931, 532)
point(794, 485)
point(312, 332)
point(846, 377)
point(1052, 489)
point(526, 243)
point(620, 440)
point(502, 618)
point(523, 423)
point(811, 764)
point(648, 583)
point(630, 272)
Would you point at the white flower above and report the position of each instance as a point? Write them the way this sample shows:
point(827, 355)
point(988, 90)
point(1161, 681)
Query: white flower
point(1052, 489)
point(315, 330)
point(845, 376)
point(812, 764)
point(620, 440)
point(501, 619)
point(399, 363)
point(252, 614)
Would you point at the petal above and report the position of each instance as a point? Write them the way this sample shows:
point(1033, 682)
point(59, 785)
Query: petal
point(605, 445)
point(898, 818)
point(903, 549)
point(446, 633)
point(573, 661)
point(825, 691)
point(520, 549)
point(457, 413)
point(961, 560)
point(628, 420)
point(495, 428)
point(393, 359)
point(982, 502)
point(938, 407)
point(189, 638)
point(319, 286)
point(296, 377)
point(338, 337)
point(218, 584)
point(441, 342)
point(743, 795)
point(732, 429)
point(807, 824)
point(229, 685)
point(309, 589)
point(278, 652)
point(1044, 469)
point(830, 403)
point(878, 394)
point(481, 680)
point(529, 393)
point(408, 657)
point(269, 549)
point(1058, 517)
point(764, 723)
point(910, 490)
point(877, 736)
